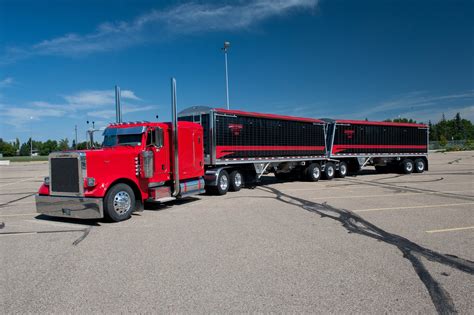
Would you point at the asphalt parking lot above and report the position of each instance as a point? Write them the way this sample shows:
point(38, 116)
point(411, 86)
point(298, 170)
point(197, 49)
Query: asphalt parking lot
point(373, 243)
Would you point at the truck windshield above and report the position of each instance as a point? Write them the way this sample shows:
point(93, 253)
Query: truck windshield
point(123, 136)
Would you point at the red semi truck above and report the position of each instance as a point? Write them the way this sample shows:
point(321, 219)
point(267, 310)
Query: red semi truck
point(216, 150)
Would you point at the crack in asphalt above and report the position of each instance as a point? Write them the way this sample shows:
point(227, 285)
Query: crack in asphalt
point(353, 223)
point(400, 189)
point(15, 200)
point(85, 232)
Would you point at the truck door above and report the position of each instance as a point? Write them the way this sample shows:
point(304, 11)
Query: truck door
point(157, 144)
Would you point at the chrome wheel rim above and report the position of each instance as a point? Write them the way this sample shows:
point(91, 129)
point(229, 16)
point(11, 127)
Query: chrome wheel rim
point(343, 169)
point(420, 166)
point(122, 202)
point(224, 182)
point(238, 180)
point(330, 171)
point(316, 172)
point(409, 166)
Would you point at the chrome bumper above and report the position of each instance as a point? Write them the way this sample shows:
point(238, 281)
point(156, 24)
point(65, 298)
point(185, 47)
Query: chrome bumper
point(70, 207)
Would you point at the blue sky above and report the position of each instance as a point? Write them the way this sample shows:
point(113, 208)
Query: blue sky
point(60, 59)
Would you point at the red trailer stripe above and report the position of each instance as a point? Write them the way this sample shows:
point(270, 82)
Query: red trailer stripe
point(226, 150)
point(341, 147)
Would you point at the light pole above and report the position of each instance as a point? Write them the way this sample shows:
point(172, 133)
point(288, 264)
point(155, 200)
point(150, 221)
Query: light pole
point(225, 49)
point(31, 137)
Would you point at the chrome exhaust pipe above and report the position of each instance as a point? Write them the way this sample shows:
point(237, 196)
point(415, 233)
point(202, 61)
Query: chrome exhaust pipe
point(118, 108)
point(174, 132)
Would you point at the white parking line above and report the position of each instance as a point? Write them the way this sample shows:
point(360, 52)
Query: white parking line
point(452, 229)
point(17, 182)
point(415, 207)
point(394, 195)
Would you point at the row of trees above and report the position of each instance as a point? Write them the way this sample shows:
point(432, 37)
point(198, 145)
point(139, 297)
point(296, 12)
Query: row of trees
point(41, 148)
point(457, 128)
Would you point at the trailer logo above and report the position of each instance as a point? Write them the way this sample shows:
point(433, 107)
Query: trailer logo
point(236, 129)
point(349, 133)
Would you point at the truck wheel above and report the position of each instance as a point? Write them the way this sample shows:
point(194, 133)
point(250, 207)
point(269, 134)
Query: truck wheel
point(236, 181)
point(342, 172)
point(419, 165)
point(313, 172)
point(407, 166)
point(329, 171)
point(222, 184)
point(119, 202)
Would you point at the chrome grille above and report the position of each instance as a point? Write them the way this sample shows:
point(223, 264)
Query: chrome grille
point(66, 174)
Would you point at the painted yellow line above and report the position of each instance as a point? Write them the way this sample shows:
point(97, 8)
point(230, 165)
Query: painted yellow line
point(415, 207)
point(453, 229)
point(394, 195)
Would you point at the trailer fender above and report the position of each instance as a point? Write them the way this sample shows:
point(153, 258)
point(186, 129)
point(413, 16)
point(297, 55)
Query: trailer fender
point(211, 175)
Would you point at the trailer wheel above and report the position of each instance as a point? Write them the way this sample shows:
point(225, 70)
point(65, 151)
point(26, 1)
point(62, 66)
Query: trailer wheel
point(236, 181)
point(407, 166)
point(329, 171)
point(342, 172)
point(419, 166)
point(313, 172)
point(119, 202)
point(222, 184)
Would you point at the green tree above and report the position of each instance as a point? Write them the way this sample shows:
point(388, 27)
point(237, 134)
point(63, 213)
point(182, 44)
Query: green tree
point(63, 144)
point(48, 147)
point(6, 148)
point(25, 148)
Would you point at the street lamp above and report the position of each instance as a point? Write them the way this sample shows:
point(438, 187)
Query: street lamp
point(31, 136)
point(225, 49)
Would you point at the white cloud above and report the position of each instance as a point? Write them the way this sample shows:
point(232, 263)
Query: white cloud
point(156, 25)
point(101, 102)
point(18, 117)
point(6, 82)
point(416, 102)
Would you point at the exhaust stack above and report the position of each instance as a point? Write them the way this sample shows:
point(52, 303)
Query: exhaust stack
point(118, 108)
point(174, 132)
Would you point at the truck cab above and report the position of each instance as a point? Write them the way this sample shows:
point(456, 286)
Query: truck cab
point(137, 162)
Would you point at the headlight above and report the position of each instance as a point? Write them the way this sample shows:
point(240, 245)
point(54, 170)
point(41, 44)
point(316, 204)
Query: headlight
point(46, 181)
point(90, 181)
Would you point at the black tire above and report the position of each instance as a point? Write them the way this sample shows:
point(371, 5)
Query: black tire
point(420, 166)
point(223, 183)
point(236, 181)
point(313, 172)
point(329, 171)
point(407, 166)
point(342, 171)
point(119, 202)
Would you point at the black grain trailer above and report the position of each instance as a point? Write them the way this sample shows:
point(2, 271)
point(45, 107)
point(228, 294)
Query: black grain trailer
point(239, 147)
point(385, 145)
